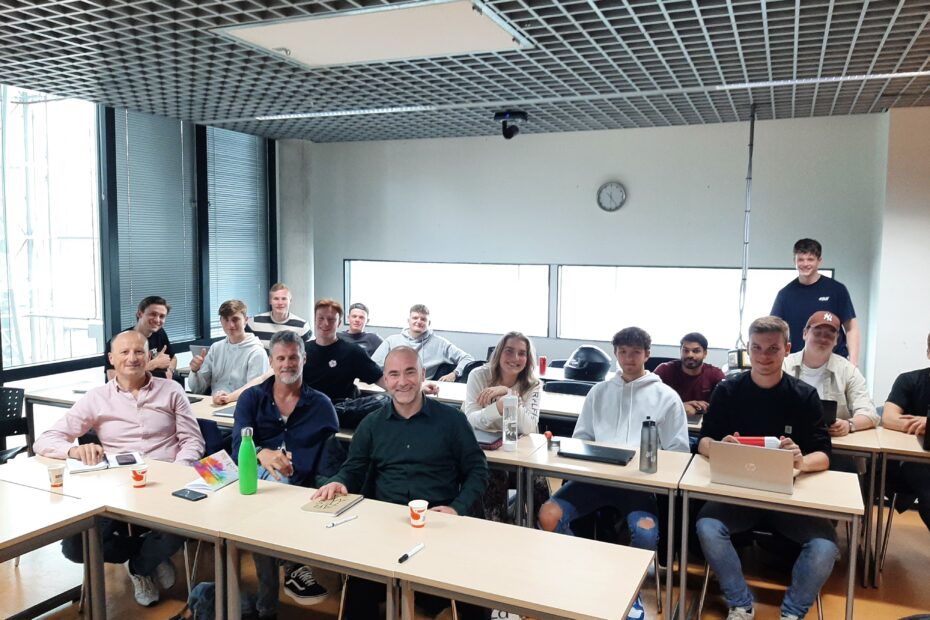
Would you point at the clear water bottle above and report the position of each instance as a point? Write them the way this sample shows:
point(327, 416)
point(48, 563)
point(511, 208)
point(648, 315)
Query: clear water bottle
point(511, 424)
point(248, 464)
point(649, 447)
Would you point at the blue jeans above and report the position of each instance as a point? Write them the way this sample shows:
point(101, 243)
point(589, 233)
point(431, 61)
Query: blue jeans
point(266, 568)
point(817, 538)
point(578, 499)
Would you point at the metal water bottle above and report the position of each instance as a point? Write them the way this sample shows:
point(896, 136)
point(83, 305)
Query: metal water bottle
point(649, 447)
point(511, 423)
point(248, 464)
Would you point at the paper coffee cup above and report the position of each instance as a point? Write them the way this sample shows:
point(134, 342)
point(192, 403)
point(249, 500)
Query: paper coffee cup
point(56, 476)
point(138, 473)
point(418, 512)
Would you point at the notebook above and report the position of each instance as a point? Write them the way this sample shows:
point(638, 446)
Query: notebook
point(225, 412)
point(488, 440)
point(335, 506)
point(753, 467)
point(75, 466)
point(577, 449)
point(215, 471)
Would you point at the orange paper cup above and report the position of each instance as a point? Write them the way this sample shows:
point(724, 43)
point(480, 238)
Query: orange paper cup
point(138, 474)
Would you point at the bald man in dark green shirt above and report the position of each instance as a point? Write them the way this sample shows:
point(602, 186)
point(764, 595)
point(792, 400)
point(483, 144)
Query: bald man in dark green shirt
point(414, 448)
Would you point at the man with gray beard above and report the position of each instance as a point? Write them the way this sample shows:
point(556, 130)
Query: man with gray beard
point(290, 423)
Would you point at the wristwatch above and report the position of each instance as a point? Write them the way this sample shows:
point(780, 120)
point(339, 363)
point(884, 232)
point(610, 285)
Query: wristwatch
point(852, 425)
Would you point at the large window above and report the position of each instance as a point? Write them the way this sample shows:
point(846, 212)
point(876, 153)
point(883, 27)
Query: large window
point(668, 302)
point(238, 195)
point(492, 299)
point(157, 219)
point(50, 273)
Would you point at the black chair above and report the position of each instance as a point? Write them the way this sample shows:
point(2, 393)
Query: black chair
point(12, 421)
point(578, 388)
point(557, 363)
point(653, 362)
point(468, 368)
point(441, 370)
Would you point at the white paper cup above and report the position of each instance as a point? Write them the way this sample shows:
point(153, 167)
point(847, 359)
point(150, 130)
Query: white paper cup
point(56, 476)
point(138, 473)
point(418, 512)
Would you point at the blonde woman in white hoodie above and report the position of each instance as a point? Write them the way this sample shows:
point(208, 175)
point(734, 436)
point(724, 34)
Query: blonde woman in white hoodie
point(511, 370)
point(614, 412)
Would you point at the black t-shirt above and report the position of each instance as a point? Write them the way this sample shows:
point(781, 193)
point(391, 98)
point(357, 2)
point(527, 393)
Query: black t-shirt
point(369, 341)
point(791, 409)
point(911, 392)
point(796, 302)
point(157, 340)
point(334, 368)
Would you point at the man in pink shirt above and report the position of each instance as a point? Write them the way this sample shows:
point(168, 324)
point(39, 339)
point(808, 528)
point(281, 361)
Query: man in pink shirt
point(132, 412)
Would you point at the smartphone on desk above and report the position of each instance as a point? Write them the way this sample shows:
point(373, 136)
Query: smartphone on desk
point(126, 459)
point(189, 494)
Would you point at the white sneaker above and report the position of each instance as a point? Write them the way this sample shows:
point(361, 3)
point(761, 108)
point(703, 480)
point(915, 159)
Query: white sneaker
point(165, 575)
point(144, 589)
point(788, 617)
point(741, 613)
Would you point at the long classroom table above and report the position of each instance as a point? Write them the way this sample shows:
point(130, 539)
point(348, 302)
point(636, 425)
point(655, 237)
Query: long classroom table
point(828, 494)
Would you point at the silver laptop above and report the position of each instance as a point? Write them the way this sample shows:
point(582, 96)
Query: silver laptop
point(764, 469)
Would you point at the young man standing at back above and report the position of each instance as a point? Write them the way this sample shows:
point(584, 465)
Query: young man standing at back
point(279, 318)
point(811, 292)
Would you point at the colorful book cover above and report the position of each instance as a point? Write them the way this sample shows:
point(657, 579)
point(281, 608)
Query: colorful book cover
point(215, 471)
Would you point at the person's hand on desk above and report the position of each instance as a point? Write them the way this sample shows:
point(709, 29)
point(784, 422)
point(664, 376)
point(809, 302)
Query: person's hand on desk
point(914, 424)
point(731, 438)
point(161, 361)
point(491, 394)
point(331, 490)
point(221, 398)
point(430, 387)
point(450, 378)
point(197, 361)
point(787, 443)
point(839, 428)
point(694, 407)
point(445, 509)
point(88, 453)
point(276, 462)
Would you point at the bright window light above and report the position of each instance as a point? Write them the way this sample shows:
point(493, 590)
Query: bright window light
point(668, 302)
point(463, 297)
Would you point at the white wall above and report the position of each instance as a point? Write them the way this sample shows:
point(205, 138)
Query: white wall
point(903, 293)
point(531, 199)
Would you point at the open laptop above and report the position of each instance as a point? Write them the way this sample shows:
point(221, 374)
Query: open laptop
point(764, 469)
point(577, 449)
point(225, 412)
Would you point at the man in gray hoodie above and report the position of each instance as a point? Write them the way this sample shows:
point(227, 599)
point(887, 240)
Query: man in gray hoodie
point(433, 350)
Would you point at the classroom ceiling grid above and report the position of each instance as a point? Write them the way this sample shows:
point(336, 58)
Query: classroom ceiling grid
point(592, 65)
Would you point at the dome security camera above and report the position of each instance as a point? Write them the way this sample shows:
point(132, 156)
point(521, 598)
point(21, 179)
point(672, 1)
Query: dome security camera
point(509, 120)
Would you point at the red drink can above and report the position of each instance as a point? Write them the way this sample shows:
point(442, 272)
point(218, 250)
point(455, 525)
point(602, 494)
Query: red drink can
point(542, 364)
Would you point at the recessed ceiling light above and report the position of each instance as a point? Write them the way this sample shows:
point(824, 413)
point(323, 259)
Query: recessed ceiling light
point(824, 80)
point(359, 112)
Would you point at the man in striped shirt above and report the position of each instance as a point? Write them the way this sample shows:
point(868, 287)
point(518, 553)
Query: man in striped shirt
point(279, 318)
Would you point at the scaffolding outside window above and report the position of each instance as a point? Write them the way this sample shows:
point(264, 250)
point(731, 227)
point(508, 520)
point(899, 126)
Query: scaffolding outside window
point(50, 306)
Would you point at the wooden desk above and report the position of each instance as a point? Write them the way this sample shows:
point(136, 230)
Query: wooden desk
point(367, 547)
point(32, 518)
point(672, 466)
point(515, 461)
point(63, 396)
point(895, 446)
point(864, 444)
point(527, 571)
point(826, 494)
point(204, 409)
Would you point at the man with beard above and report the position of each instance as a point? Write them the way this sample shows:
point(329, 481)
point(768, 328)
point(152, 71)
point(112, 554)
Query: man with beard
point(691, 377)
point(290, 424)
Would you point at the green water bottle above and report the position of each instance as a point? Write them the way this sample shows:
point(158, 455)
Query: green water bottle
point(248, 464)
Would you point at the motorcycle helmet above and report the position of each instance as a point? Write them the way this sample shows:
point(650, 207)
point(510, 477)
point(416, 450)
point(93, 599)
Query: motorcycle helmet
point(587, 363)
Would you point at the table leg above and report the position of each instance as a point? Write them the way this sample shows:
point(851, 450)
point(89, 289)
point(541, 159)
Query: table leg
point(406, 601)
point(670, 555)
point(683, 559)
point(520, 515)
point(530, 499)
point(30, 426)
point(851, 578)
point(869, 516)
point(98, 604)
point(390, 601)
point(232, 582)
point(879, 530)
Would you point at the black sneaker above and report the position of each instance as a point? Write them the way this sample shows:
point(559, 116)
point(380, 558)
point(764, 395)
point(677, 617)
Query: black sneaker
point(300, 585)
